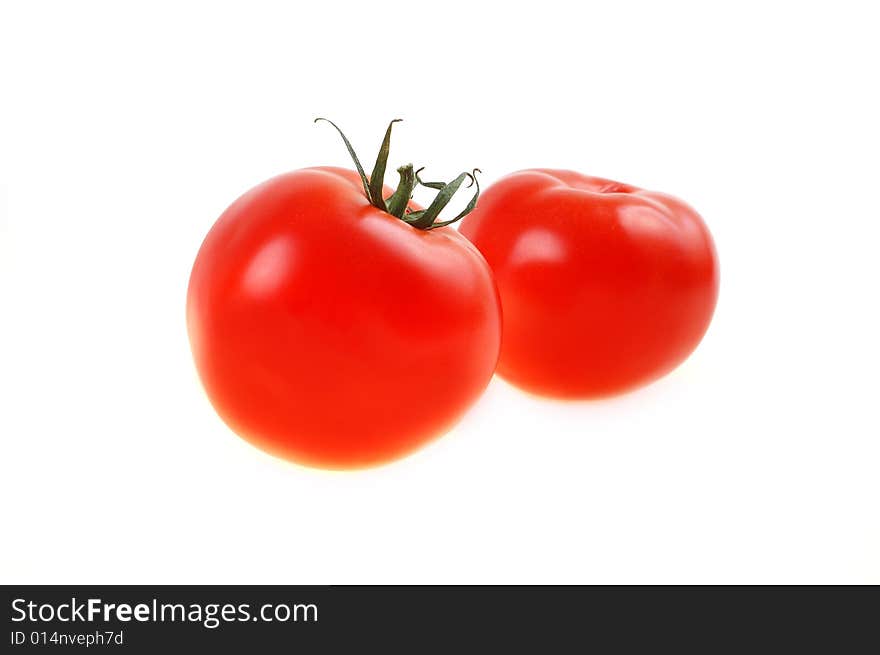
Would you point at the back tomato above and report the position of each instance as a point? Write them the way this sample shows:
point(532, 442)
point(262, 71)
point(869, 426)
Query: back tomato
point(604, 286)
point(330, 332)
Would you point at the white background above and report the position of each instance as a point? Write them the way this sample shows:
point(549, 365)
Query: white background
point(127, 129)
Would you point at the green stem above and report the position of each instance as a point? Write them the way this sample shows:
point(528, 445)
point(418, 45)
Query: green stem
point(354, 157)
point(425, 220)
point(397, 203)
point(399, 200)
point(377, 177)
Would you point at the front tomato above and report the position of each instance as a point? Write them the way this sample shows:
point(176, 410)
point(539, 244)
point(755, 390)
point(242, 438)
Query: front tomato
point(604, 286)
point(327, 331)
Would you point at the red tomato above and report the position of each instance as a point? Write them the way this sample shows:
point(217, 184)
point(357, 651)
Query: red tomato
point(604, 286)
point(327, 331)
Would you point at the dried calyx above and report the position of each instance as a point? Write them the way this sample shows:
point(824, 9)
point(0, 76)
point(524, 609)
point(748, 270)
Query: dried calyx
point(397, 204)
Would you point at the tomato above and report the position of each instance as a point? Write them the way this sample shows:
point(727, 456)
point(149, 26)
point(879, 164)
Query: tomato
point(330, 332)
point(604, 286)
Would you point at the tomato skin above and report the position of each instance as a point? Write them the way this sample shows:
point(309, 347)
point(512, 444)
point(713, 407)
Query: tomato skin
point(331, 333)
point(604, 286)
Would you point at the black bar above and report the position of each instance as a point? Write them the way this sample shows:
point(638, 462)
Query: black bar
point(416, 619)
